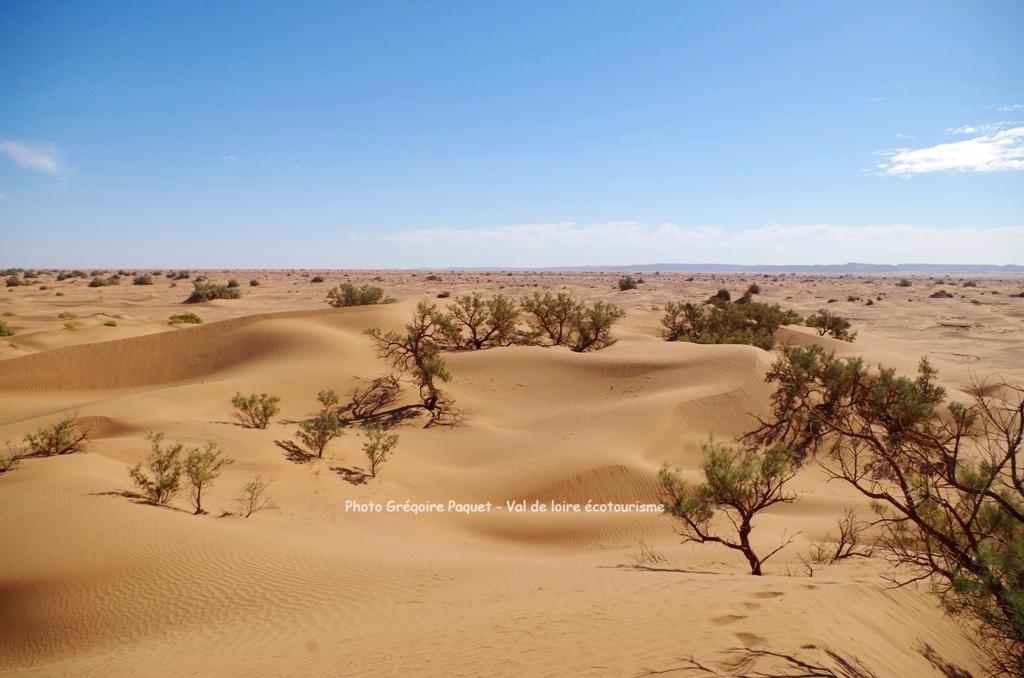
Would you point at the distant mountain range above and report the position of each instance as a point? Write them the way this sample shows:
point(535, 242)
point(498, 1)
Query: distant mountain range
point(858, 268)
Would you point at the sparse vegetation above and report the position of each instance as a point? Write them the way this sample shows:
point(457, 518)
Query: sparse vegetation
point(165, 468)
point(754, 323)
point(142, 280)
point(561, 320)
point(202, 467)
point(316, 279)
point(207, 291)
point(254, 498)
point(378, 447)
point(254, 283)
point(479, 323)
point(943, 478)
point(348, 294)
point(832, 324)
point(67, 436)
point(100, 281)
point(416, 352)
point(628, 282)
point(903, 282)
point(317, 432)
point(185, 319)
point(739, 484)
point(5, 329)
point(16, 280)
point(256, 409)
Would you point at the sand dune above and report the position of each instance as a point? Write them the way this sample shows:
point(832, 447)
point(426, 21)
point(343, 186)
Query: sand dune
point(93, 582)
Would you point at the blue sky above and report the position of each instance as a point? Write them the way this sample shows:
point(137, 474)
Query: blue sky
point(229, 134)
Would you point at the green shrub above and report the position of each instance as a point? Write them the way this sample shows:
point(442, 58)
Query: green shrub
point(5, 329)
point(16, 281)
point(100, 281)
point(317, 432)
point(110, 323)
point(233, 283)
point(564, 321)
point(739, 483)
point(207, 291)
point(378, 447)
point(628, 282)
point(348, 294)
point(256, 410)
point(830, 323)
point(479, 323)
point(201, 468)
point(67, 436)
point(142, 280)
point(165, 469)
point(754, 323)
point(185, 319)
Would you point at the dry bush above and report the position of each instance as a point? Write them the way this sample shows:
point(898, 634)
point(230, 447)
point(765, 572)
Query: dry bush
point(254, 497)
point(67, 436)
point(256, 410)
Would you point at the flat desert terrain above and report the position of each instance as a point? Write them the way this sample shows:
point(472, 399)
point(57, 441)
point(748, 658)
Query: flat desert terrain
point(95, 582)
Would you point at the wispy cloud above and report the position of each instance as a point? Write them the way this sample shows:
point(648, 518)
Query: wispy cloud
point(34, 157)
point(1010, 107)
point(992, 151)
point(627, 242)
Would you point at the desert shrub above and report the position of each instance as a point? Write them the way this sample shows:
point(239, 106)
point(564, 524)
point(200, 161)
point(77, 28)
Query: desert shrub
point(848, 541)
point(830, 323)
point(67, 436)
point(317, 432)
point(564, 321)
point(100, 281)
point(254, 498)
point(378, 447)
point(110, 323)
point(254, 283)
point(970, 283)
point(65, 275)
point(16, 281)
point(165, 469)
point(202, 467)
point(348, 294)
point(592, 325)
point(903, 282)
point(753, 289)
point(67, 315)
point(233, 283)
point(482, 323)
point(181, 275)
point(256, 410)
point(941, 294)
point(5, 329)
point(9, 460)
point(317, 279)
point(754, 323)
point(627, 282)
point(943, 478)
point(185, 319)
point(444, 295)
point(70, 326)
point(142, 280)
point(720, 298)
point(739, 484)
point(416, 352)
point(206, 291)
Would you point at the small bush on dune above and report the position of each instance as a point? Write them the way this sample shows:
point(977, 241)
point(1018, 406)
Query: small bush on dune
point(628, 282)
point(185, 319)
point(202, 467)
point(317, 432)
point(739, 483)
point(754, 323)
point(378, 447)
point(832, 324)
point(67, 436)
point(207, 291)
point(316, 279)
point(142, 280)
point(348, 294)
point(903, 282)
point(100, 281)
point(480, 323)
point(180, 275)
point(233, 283)
point(10, 460)
point(5, 329)
point(254, 498)
point(16, 281)
point(165, 469)
point(256, 410)
point(254, 283)
point(564, 321)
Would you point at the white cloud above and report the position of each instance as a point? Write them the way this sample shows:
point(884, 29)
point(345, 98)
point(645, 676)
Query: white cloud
point(632, 242)
point(1010, 107)
point(39, 158)
point(997, 151)
point(966, 129)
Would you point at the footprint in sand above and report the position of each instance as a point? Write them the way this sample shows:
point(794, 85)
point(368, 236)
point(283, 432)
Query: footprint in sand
point(768, 594)
point(749, 638)
point(727, 619)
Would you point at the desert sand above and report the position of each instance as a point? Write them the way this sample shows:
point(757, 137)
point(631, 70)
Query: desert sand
point(94, 582)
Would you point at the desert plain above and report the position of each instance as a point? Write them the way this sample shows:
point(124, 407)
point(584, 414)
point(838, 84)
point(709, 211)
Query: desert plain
point(94, 581)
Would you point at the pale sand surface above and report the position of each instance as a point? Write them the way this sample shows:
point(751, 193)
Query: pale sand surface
point(94, 583)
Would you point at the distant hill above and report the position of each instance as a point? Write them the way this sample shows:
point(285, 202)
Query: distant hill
point(858, 268)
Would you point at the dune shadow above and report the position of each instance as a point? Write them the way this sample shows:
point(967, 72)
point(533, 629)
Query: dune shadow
point(651, 568)
point(746, 662)
point(352, 475)
point(294, 453)
point(136, 498)
point(947, 668)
